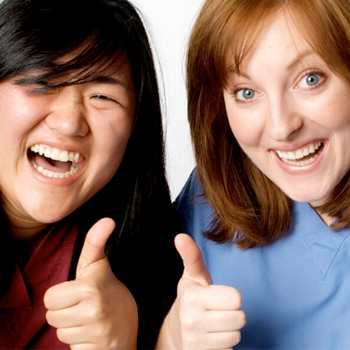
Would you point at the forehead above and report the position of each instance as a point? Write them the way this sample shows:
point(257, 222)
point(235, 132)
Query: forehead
point(275, 33)
point(280, 44)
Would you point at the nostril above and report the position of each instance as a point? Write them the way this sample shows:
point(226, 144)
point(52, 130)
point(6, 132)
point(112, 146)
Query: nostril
point(68, 122)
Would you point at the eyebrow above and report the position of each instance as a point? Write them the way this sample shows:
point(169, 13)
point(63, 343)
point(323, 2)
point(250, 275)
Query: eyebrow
point(299, 58)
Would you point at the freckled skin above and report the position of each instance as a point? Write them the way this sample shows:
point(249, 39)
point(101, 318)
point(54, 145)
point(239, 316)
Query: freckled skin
point(287, 112)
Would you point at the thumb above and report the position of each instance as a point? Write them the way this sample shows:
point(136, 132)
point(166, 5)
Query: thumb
point(95, 241)
point(194, 265)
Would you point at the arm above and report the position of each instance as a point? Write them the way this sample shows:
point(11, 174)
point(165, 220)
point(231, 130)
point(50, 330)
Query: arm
point(203, 316)
point(95, 311)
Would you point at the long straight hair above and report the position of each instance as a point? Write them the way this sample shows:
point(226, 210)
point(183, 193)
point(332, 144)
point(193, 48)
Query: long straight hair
point(249, 209)
point(69, 42)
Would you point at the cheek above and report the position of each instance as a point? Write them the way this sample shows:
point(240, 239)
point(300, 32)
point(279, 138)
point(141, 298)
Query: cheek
point(333, 111)
point(247, 124)
point(336, 117)
point(246, 127)
point(20, 115)
point(112, 141)
point(108, 154)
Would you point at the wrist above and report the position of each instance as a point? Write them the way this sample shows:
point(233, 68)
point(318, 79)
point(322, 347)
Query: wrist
point(169, 337)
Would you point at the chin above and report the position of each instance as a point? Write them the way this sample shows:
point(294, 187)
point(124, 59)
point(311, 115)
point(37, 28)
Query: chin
point(49, 217)
point(307, 198)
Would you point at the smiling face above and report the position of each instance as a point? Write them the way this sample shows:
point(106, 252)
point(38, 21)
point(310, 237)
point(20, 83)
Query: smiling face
point(291, 114)
point(59, 147)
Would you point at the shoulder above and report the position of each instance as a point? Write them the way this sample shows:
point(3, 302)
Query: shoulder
point(192, 189)
point(191, 196)
point(192, 207)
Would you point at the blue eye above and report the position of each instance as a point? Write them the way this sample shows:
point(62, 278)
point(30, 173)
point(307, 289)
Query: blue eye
point(244, 94)
point(312, 79)
point(248, 94)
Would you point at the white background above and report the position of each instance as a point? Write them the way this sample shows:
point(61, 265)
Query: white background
point(168, 23)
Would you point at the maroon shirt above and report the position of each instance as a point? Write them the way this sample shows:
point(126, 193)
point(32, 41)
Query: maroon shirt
point(22, 311)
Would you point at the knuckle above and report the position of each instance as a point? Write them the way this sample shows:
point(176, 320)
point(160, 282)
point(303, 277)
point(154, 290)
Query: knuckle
point(190, 342)
point(190, 298)
point(189, 323)
point(48, 299)
point(236, 338)
point(49, 318)
point(243, 319)
point(238, 297)
point(61, 335)
point(96, 308)
point(89, 290)
point(96, 313)
point(109, 337)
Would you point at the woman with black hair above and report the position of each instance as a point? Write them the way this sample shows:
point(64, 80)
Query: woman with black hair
point(81, 140)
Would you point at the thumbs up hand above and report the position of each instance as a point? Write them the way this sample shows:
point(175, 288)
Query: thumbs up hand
point(95, 311)
point(203, 316)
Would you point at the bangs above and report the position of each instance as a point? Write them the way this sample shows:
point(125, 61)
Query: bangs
point(94, 58)
point(249, 21)
point(61, 39)
point(324, 25)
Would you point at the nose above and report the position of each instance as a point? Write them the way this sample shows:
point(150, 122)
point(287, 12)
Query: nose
point(284, 119)
point(67, 115)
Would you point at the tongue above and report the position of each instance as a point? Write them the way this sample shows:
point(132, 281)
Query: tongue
point(52, 165)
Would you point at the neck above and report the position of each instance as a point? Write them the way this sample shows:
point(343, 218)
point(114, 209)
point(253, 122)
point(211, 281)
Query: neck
point(23, 228)
point(328, 220)
point(27, 238)
point(27, 234)
point(25, 248)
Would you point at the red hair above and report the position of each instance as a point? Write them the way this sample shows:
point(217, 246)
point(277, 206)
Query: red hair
point(250, 209)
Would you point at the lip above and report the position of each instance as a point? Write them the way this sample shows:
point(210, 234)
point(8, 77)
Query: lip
point(295, 146)
point(58, 181)
point(297, 169)
point(59, 146)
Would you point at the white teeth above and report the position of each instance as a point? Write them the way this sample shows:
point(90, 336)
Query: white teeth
point(299, 154)
point(291, 155)
point(48, 153)
point(56, 154)
point(64, 156)
point(71, 156)
point(55, 175)
point(304, 162)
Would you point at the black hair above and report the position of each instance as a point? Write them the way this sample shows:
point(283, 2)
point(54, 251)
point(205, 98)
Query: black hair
point(73, 40)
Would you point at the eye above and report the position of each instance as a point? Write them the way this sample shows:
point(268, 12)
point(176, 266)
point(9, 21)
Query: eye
point(40, 87)
point(103, 97)
point(244, 94)
point(310, 80)
point(102, 101)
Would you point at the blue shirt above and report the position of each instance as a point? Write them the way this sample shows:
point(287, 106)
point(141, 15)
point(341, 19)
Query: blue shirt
point(296, 291)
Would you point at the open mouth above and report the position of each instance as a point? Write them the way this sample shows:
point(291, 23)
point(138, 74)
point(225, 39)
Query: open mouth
point(52, 162)
point(302, 156)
